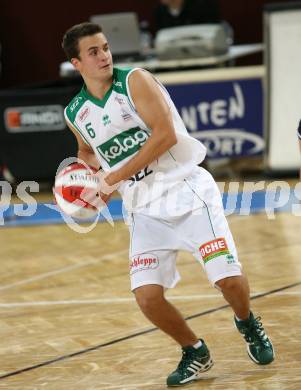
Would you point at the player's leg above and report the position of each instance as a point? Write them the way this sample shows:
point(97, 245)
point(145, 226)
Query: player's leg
point(163, 314)
point(153, 271)
point(150, 275)
point(236, 292)
point(215, 249)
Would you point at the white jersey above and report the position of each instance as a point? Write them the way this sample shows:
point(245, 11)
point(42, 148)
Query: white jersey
point(115, 132)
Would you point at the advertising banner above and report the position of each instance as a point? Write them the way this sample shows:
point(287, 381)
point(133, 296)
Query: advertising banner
point(227, 116)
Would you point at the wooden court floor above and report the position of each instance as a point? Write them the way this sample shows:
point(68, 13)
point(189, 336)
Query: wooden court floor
point(69, 321)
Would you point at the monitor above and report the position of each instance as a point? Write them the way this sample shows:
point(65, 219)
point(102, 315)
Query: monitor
point(122, 32)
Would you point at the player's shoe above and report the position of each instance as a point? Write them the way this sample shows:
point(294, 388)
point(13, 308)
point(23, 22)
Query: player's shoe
point(259, 347)
point(193, 363)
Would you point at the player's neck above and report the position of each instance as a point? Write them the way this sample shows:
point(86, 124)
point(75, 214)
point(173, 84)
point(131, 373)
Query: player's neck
point(97, 88)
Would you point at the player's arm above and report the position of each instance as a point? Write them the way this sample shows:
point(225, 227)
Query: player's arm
point(85, 152)
point(155, 112)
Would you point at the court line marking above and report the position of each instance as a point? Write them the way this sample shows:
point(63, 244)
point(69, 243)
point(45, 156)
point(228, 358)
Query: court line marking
point(92, 262)
point(125, 300)
point(131, 336)
point(62, 270)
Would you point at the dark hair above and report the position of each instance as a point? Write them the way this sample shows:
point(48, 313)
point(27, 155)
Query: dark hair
point(74, 34)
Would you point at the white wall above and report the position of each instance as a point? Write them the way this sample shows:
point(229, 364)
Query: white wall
point(283, 88)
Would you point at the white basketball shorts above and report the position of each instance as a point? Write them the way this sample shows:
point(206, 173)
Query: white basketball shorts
point(202, 230)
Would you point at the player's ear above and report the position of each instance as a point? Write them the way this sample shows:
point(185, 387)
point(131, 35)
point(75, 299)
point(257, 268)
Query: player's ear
point(75, 62)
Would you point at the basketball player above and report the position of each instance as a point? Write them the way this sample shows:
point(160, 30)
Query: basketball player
point(125, 122)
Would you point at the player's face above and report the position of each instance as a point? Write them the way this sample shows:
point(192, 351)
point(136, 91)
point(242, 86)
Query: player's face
point(95, 60)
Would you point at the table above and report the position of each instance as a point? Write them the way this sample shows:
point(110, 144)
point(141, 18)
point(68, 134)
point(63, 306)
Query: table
point(154, 64)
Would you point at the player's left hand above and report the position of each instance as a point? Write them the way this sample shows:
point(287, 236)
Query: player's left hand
point(106, 183)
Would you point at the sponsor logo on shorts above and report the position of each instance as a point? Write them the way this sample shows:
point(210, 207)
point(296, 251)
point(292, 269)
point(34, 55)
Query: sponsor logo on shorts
point(214, 248)
point(143, 262)
point(230, 259)
point(83, 115)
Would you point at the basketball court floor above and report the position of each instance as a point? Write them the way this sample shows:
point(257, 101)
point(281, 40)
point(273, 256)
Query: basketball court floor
point(69, 321)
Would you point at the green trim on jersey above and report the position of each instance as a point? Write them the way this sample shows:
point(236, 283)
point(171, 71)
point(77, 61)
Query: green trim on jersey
point(119, 85)
point(74, 106)
point(75, 127)
point(81, 133)
point(120, 80)
point(99, 102)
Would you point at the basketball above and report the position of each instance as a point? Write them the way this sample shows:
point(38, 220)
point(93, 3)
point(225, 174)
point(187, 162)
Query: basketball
point(76, 191)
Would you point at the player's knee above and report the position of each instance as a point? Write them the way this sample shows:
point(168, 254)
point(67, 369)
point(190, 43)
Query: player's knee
point(149, 297)
point(230, 283)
